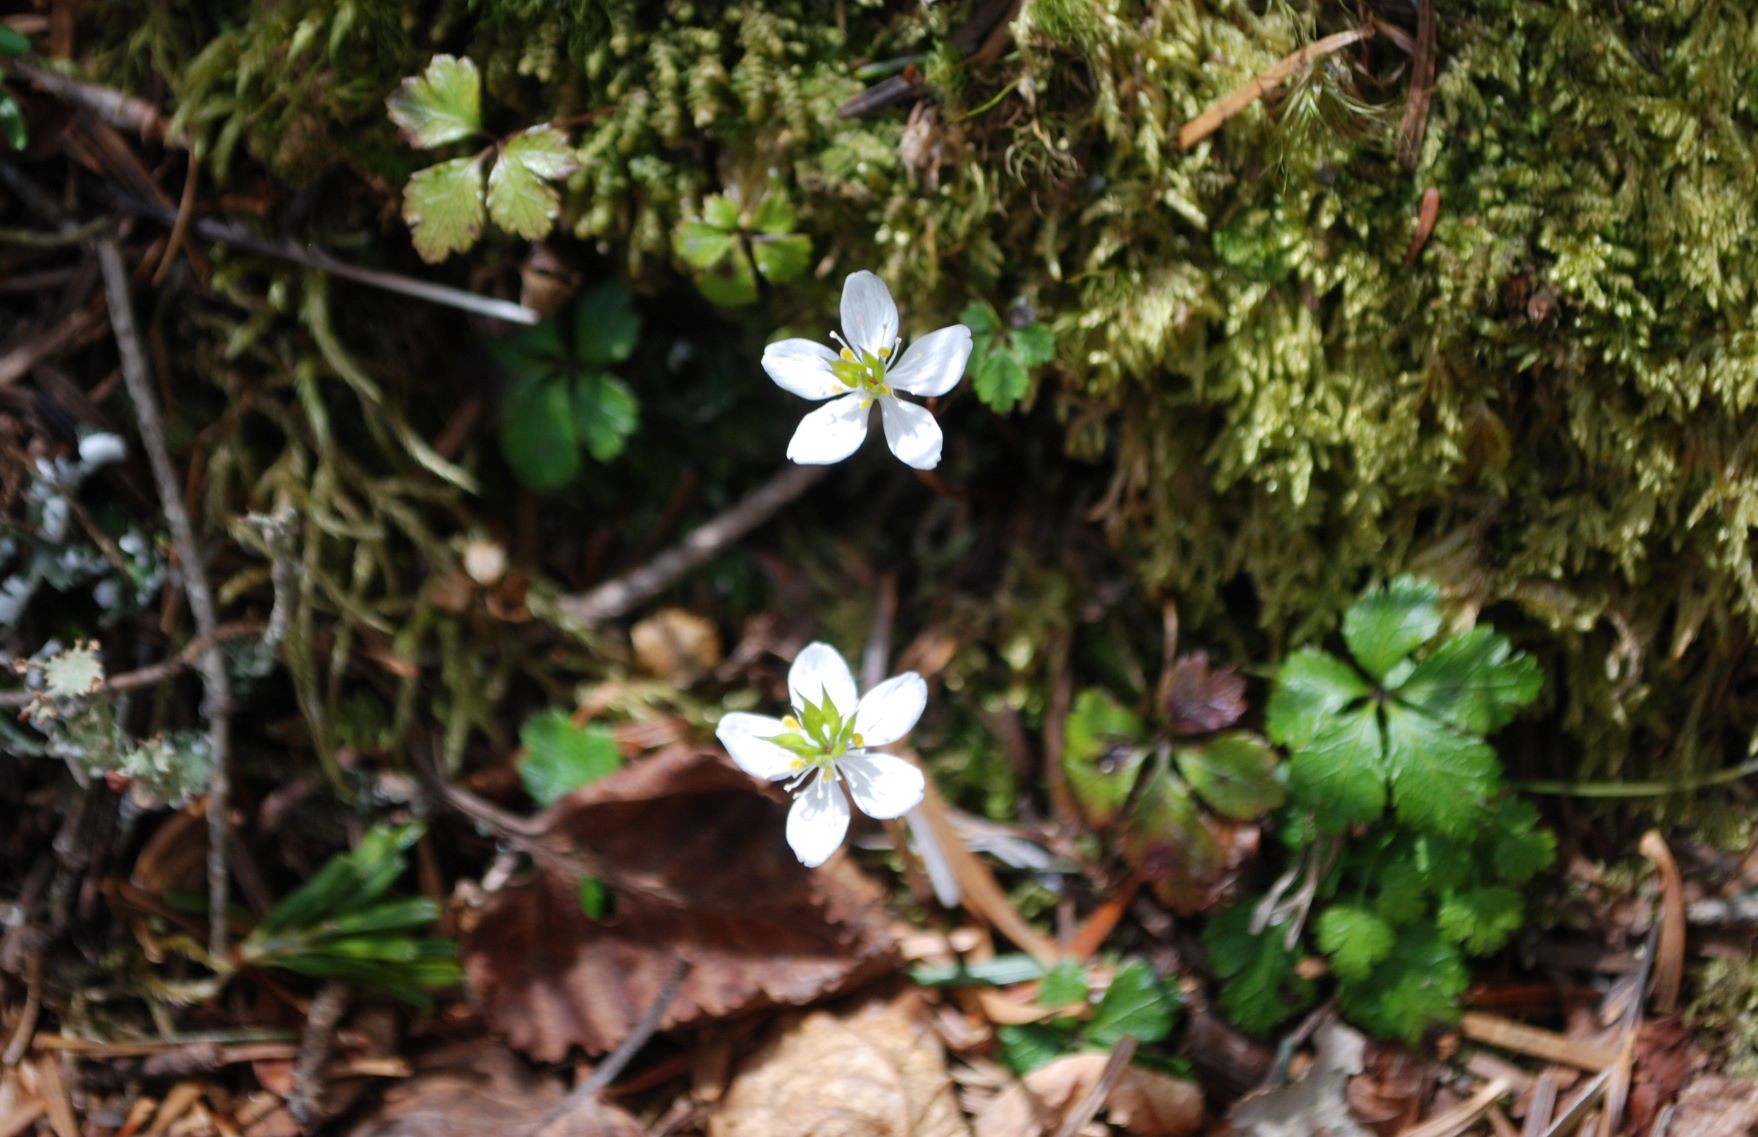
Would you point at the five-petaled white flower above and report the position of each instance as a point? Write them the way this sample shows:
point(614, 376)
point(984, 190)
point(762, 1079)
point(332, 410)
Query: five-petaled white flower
point(826, 738)
point(868, 369)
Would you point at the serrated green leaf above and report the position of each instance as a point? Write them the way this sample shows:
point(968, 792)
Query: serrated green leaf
point(1171, 843)
point(774, 215)
point(1027, 1046)
point(1101, 754)
point(1445, 864)
point(606, 413)
point(442, 104)
point(1481, 919)
point(980, 318)
point(1136, 1004)
point(1034, 345)
point(1403, 895)
point(730, 282)
point(700, 245)
point(1260, 988)
point(1234, 774)
point(1416, 986)
point(1355, 939)
point(520, 198)
point(13, 42)
point(781, 259)
point(1311, 687)
point(1441, 780)
point(1000, 381)
point(1520, 848)
point(538, 436)
point(606, 325)
point(561, 757)
point(443, 208)
point(1063, 985)
point(1340, 776)
point(1473, 681)
point(721, 212)
point(1390, 622)
point(12, 126)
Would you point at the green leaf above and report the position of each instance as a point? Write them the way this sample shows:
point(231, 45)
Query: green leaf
point(1034, 345)
point(700, 245)
point(392, 915)
point(1026, 1047)
point(1002, 971)
point(781, 259)
point(1101, 754)
point(594, 898)
point(520, 198)
point(775, 215)
point(1311, 687)
point(605, 415)
point(346, 880)
point(1520, 847)
point(1441, 780)
point(533, 353)
point(1355, 939)
point(1481, 919)
point(441, 105)
point(1403, 894)
point(980, 318)
point(1473, 681)
point(1136, 1004)
point(1063, 984)
point(538, 436)
point(1172, 843)
point(1000, 381)
point(730, 282)
point(12, 126)
point(443, 208)
point(1387, 624)
point(1340, 775)
point(561, 757)
point(1234, 774)
point(722, 212)
point(606, 325)
point(13, 42)
point(1260, 988)
point(1417, 985)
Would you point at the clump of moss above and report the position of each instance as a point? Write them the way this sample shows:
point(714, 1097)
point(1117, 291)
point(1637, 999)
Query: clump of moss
point(1727, 1005)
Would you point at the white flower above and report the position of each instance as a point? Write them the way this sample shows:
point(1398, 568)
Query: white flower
point(868, 369)
point(826, 739)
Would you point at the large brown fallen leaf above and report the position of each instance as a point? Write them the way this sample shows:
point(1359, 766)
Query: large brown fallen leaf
point(876, 1071)
point(1142, 1103)
point(1318, 1102)
point(726, 894)
point(468, 1088)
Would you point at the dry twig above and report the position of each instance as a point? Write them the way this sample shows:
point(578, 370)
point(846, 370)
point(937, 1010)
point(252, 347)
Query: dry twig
point(1088, 1107)
point(1216, 114)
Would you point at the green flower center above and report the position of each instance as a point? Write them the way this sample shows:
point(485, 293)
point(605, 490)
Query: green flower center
point(864, 372)
point(818, 735)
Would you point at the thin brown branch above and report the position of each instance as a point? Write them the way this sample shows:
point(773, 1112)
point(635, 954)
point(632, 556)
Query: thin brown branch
point(1216, 114)
point(212, 662)
point(622, 595)
point(1415, 123)
point(316, 1041)
point(123, 111)
point(1088, 1107)
point(617, 1060)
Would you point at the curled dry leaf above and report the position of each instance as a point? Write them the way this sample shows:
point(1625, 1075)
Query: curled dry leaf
point(1316, 1103)
point(727, 894)
point(470, 1088)
point(1142, 1103)
point(876, 1071)
point(1199, 697)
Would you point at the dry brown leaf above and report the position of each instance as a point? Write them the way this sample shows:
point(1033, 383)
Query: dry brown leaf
point(876, 1071)
point(1316, 1102)
point(759, 929)
point(470, 1088)
point(676, 645)
point(1199, 697)
point(1714, 1106)
point(1142, 1103)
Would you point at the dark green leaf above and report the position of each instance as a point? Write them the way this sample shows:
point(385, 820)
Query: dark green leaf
point(561, 757)
point(1311, 687)
point(774, 216)
point(1387, 624)
point(1441, 780)
point(1340, 775)
point(12, 127)
point(701, 245)
point(1034, 345)
point(1403, 893)
point(1481, 919)
point(346, 880)
point(781, 259)
point(1101, 754)
point(1260, 988)
point(730, 282)
point(392, 915)
point(1416, 986)
point(13, 42)
point(1063, 984)
point(1234, 774)
point(605, 415)
point(1473, 681)
point(534, 353)
point(1026, 1047)
point(1136, 1004)
point(538, 435)
point(979, 318)
point(1355, 939)
point(594, 898)
point(1000, 380)
point(1520, 847)
point(606, 325)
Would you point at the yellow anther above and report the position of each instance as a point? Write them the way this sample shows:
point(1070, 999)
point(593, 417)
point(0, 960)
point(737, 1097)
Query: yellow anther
point(848, 355)
point(791, 722)
point(858, 740)
point(884, 353)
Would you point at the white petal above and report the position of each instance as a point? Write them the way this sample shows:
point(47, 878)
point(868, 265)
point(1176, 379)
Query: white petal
point(890, 710)
point(869, 318)
point(818, 670)
point(830, 433)
point(883, 786)
point(803, 367)
point(911, 432)
point(933, 364)
point(818, 821)
point(745, 738)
